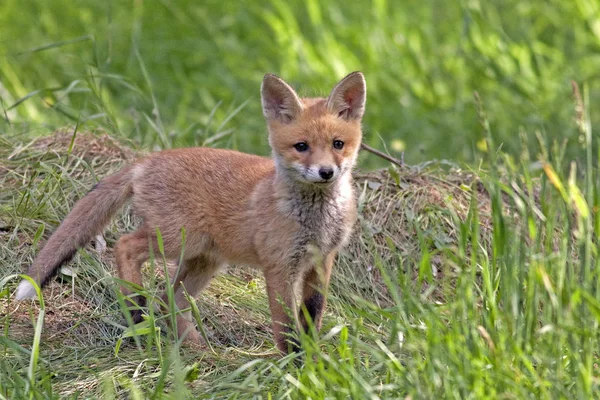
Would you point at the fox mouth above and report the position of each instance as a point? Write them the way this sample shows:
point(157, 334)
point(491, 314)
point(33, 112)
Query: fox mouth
point(312, 181)
point(321, 183)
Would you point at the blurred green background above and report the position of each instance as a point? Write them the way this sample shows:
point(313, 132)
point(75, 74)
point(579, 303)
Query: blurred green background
point(178, 73)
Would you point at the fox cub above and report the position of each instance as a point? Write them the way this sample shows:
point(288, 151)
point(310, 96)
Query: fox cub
point(288, 215)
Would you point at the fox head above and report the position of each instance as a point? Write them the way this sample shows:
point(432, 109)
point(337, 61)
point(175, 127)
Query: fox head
point(314, 140)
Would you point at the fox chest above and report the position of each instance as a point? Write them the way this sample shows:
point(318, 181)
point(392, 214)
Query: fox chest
point(323, 227)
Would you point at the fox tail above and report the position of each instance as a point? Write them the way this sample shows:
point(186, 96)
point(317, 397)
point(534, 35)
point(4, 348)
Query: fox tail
point(87, 219)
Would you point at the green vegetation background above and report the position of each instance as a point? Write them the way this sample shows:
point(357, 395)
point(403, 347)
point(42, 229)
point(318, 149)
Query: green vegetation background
point(176, 73)
point(480, 285)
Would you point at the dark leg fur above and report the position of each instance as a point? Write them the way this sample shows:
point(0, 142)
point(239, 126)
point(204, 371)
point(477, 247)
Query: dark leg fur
point(314, 293)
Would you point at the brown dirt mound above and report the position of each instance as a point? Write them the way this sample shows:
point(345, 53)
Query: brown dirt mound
point(87, 145)
point(397, 206)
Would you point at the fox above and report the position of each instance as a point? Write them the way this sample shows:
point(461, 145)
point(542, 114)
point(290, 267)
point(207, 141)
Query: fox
point(288, 215)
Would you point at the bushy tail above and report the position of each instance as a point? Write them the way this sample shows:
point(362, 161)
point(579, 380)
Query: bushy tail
point(87, 219)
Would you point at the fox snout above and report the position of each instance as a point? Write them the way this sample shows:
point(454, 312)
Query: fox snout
point(326, 173)
point(321, 173)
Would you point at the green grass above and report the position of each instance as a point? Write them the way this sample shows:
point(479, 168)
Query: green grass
point(458, 284)
point(473, 278)
point(172, 73)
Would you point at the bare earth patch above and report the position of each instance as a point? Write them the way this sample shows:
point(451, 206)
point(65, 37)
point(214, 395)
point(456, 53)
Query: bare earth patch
point(393, 203)
point(401, 209)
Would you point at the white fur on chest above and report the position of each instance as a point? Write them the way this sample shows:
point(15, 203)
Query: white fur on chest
point(322, 217)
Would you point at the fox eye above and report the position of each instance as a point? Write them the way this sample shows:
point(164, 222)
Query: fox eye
point(338, 144)
point(301, 146)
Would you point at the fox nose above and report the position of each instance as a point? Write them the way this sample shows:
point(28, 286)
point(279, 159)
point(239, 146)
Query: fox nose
point(326, 173)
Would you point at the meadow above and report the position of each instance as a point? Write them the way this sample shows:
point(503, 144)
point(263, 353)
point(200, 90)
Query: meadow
point(473, 272)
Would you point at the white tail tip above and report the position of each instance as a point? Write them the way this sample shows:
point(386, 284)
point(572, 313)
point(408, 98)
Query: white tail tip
point(25, 291)
point(100, 244)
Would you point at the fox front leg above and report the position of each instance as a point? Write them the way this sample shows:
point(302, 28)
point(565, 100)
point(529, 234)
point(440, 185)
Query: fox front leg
point(284, 309)
point(282, 302)
point(314, 293)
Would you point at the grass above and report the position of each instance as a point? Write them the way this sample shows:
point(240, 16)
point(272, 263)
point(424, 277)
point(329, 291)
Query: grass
point(474, 278)
point(458, 283)
point(173, 73)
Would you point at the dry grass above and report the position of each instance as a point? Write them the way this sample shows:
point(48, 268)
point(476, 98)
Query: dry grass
point(398, 205)
point(401, 210)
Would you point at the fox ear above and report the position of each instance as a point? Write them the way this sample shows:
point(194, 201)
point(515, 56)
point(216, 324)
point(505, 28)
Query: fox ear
point(347, 99)
point(279, 101)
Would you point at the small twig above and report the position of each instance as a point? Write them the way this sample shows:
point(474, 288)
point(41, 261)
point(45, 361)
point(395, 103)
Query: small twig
point(579, 108)
point(391, 159)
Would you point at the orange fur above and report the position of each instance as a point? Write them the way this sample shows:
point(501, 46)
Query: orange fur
point(288, 215)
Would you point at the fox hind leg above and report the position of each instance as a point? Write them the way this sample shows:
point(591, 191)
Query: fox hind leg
point(131, 251)
point(193, 276)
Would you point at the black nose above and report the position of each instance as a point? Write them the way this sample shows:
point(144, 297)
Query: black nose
point(326, 173)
